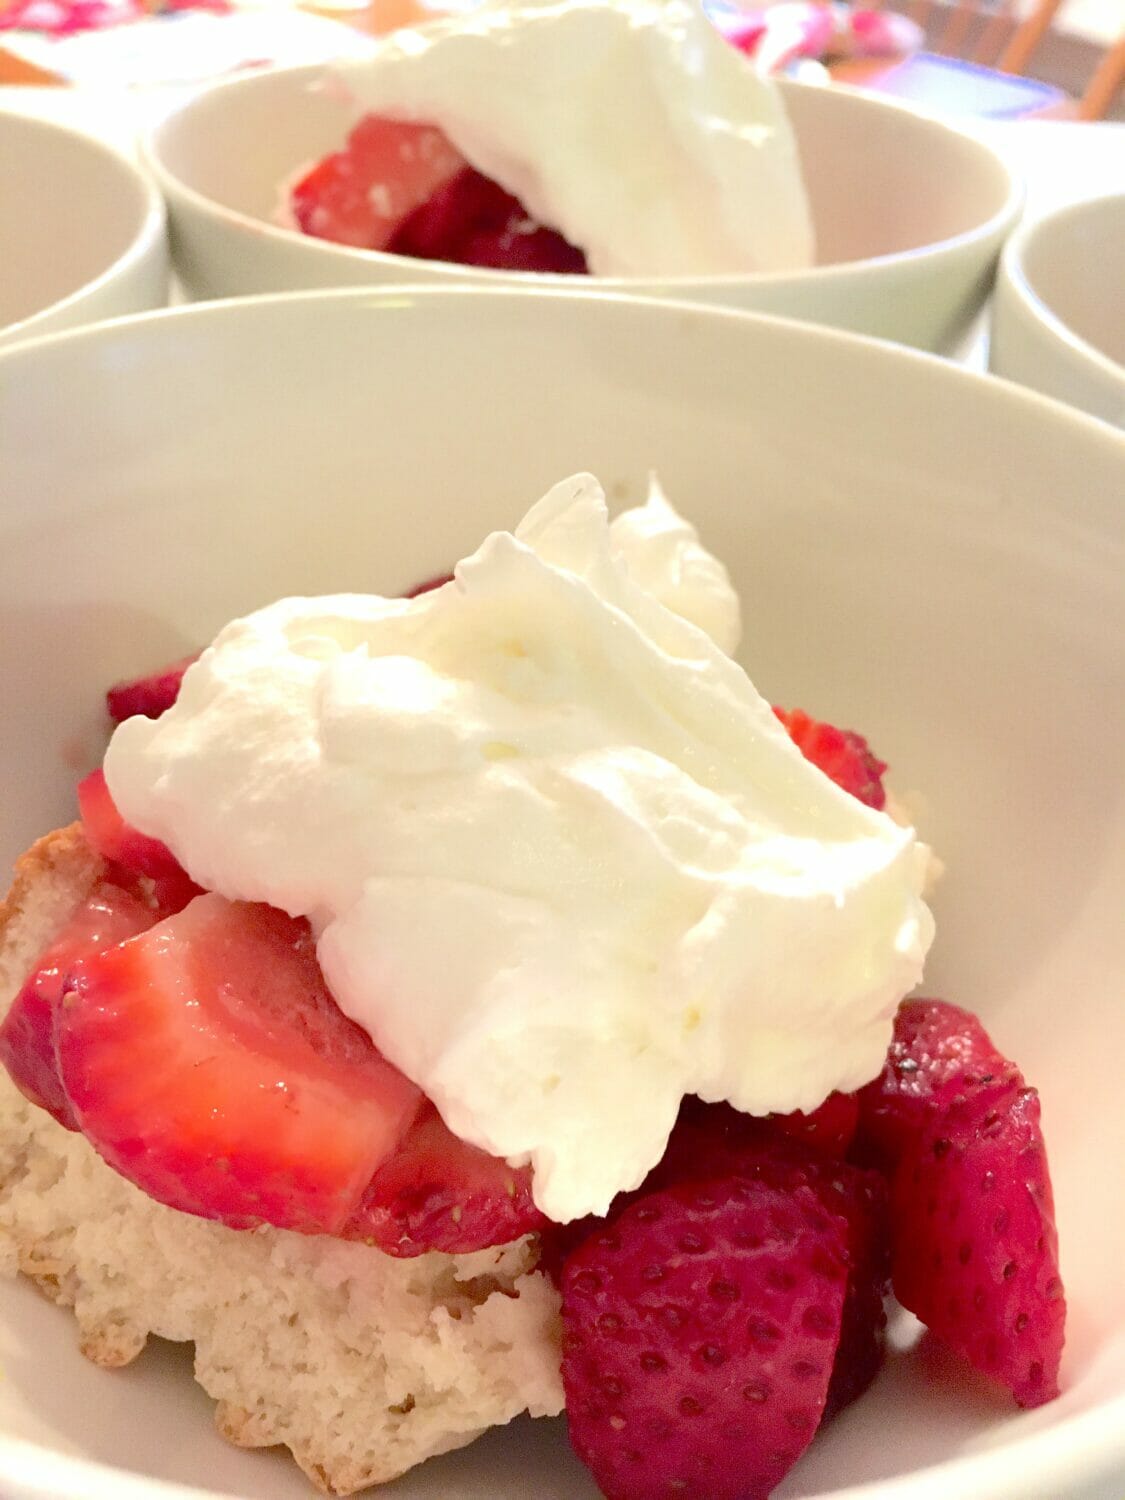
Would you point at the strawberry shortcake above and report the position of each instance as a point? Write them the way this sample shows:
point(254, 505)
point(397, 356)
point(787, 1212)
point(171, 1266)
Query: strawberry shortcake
point(620, 137)
point(484, 1001)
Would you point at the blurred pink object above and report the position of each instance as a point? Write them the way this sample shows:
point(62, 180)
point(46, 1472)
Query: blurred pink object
point(65, 17)
point(776, 36)
point(884, 33)
point(68, 17)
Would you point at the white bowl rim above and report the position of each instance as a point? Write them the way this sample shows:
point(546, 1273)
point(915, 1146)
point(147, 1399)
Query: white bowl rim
point(1085, 1448)
point(1034, 1468)
point(997, 224)
point(564, 289)
point(149, 232)
point(1013, 270)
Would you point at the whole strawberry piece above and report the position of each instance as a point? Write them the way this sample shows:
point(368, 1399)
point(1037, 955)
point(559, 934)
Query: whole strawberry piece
point(841, 754)
point(149, 695)
point(975, 1251)
point(699, 1329)
point(207, 1062)
point(439, 1193)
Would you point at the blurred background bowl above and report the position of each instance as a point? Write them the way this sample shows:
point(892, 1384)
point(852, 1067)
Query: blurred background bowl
point(909, 213)
point(924, 554)
point(82, 233)
point(1058, 321)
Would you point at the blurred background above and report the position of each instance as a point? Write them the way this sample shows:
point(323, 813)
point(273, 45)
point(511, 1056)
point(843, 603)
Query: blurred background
point(957, 56)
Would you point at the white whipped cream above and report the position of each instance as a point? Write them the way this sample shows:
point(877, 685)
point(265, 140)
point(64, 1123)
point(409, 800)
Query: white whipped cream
point(564, 863)
point(629, 125)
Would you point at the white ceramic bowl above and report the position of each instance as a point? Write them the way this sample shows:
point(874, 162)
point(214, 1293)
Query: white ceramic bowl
point(929, 555)
point(1058, 322)
point(81, 231)
point(909, 214)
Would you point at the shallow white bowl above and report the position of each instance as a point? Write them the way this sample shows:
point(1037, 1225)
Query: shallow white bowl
point(926, 554)
point(909, 214)
point(81, 231)
point(1058, 322)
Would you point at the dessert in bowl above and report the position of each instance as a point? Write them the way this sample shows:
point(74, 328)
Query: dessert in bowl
point(1058, 322)
point(884, 586)
point(83, 232)
point(566, 110)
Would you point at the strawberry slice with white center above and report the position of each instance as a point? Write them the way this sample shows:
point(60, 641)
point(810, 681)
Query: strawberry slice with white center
point(108, 916)
point(207, 1062)
point(360, 195)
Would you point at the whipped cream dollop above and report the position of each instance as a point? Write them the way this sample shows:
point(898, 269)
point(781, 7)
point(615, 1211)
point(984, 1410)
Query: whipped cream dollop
point(564, 864)
point(629, 125)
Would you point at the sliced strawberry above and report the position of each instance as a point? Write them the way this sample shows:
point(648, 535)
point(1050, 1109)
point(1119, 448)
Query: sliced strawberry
point(207, 1062)
point(149, 695)
point(939, 1055)
point(428, 585)
point(699, 1329)
point(471, 220)
point(975, 1251)
point(439, 1193)
point(829, 1129)
point(841, 754)
point(714, 1139)
point(116, 840)
point(524, 245)
point(860, 1198)
point(359, 196)
point(108, 916)
point(975, 1245)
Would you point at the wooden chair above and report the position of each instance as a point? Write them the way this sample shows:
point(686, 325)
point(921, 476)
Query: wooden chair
point(990, 32)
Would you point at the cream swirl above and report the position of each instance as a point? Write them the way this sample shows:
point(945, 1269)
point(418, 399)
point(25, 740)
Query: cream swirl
point(564, 863)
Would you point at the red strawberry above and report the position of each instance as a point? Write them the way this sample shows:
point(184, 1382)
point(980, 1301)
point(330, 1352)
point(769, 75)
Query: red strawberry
point(699, 1329)
point(207, 1062)
point(975, 1247)
point(108, 916)
point(523, 245)
point(115, 840)
point(428, 585)
point(710, 1139)
point(359, 196)
point(439, 227)
point(472, 220)
point(841, 754)
point(714, 1140)
point(938, 1055)
point(861, 1200)
point(439, 1193)
point(149, 695)
point(829, 1129)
